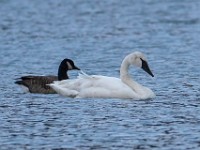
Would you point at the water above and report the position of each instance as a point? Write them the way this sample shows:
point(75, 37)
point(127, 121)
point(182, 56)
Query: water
point(36, 35)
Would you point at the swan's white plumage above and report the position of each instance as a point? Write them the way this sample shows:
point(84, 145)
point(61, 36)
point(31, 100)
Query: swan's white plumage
point(89, 86)
point(94, 86)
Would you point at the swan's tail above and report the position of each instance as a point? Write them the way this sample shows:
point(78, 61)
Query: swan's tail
point(62, 91)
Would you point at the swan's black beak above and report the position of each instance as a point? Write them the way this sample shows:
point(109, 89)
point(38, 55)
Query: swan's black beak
point(145, 67)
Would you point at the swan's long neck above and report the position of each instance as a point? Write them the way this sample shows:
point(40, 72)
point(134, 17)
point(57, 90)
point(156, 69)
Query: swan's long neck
point(125, 77)
point(124, 67)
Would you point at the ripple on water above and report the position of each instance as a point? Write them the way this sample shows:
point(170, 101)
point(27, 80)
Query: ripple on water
point(36, 35)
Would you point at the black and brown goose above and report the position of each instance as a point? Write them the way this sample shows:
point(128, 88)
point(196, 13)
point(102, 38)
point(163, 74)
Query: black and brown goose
point(38, 84)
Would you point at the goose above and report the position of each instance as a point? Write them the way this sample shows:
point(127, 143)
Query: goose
point(37, 84)
point(98, 86)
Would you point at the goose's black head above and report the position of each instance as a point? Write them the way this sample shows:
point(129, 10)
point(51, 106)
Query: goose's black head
point(65, 65)
point(69, 64)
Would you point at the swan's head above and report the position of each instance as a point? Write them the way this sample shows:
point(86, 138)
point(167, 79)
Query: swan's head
point(139, 60)
point(69, 64)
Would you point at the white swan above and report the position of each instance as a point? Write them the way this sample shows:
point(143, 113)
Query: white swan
point(97, 86)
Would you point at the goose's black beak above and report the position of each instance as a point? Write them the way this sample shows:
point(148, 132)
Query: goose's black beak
point(145, 67)
point(76, 68)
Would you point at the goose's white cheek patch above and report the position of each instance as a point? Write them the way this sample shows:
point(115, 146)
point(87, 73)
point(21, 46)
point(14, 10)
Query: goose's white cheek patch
point(69, 65)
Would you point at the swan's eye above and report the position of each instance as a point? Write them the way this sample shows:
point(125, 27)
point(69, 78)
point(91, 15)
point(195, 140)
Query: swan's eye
point(141, 60)
point(146, 68)
point(144, 63)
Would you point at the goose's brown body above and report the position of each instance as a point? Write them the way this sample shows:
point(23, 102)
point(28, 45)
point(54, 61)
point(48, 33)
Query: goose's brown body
point(39, 84)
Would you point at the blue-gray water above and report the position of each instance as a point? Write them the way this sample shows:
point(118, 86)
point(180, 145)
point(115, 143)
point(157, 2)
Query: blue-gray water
point(36, 35)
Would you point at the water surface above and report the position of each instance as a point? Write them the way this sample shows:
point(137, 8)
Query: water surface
point(36, 35)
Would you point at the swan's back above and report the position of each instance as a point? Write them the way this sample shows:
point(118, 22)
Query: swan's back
point(86, 86)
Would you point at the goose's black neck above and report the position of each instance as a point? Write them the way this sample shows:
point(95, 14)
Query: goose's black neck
point(62, 72)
